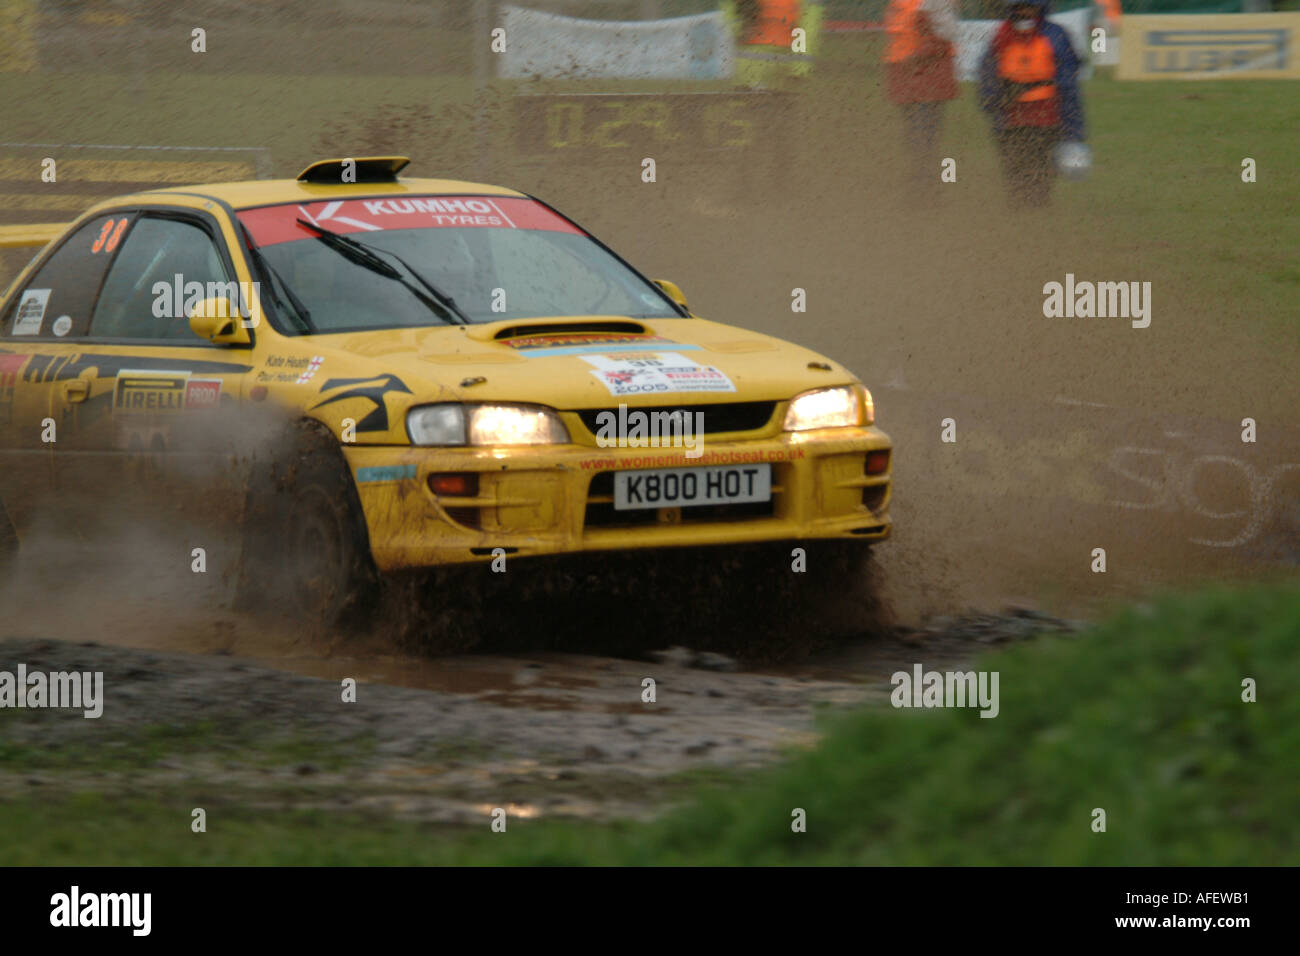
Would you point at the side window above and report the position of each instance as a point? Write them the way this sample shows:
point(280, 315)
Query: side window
point(56, 301)
point(164, 265)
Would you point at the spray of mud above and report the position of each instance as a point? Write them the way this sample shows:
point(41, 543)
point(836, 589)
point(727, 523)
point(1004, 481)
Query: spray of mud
point(143, 549)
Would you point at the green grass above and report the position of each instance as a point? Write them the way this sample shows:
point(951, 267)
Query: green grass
point(1141, 716)
point(1169, 167)
point(99, 748)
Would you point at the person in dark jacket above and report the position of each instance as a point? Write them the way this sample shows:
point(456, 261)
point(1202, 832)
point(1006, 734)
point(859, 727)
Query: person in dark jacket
point(1028, 82)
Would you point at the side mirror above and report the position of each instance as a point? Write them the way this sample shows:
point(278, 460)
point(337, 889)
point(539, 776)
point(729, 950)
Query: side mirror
point(674, 293)
point(215, 320)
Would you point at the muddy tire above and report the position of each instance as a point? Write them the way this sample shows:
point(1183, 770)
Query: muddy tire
point(306, 551)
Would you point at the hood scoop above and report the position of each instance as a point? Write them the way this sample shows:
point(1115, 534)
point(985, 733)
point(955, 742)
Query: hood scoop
point(535, 329)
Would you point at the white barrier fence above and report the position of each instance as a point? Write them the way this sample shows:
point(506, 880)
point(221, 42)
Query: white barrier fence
point(546, 45)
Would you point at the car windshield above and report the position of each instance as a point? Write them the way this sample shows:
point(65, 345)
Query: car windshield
point(435, 260)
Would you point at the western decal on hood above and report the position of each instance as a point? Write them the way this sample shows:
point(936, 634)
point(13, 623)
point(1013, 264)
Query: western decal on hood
point(579, 343)
point(377, 420)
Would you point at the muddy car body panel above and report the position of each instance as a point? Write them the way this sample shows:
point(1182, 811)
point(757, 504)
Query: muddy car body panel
point(361, 305)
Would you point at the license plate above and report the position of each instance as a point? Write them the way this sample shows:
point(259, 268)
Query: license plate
point(685, 487)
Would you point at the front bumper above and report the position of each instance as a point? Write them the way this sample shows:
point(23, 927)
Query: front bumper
point(558, 499)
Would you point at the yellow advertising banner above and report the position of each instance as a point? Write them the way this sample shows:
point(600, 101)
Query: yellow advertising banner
point(1247, 46)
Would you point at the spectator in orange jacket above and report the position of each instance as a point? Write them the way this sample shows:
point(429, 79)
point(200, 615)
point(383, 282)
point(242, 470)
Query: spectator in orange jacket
point(919, 71)
point(1029, 84)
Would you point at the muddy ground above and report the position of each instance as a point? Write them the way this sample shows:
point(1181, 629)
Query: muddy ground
point(447, 740)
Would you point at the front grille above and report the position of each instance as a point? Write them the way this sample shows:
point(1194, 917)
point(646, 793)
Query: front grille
point(727, 417)
point(601, 514)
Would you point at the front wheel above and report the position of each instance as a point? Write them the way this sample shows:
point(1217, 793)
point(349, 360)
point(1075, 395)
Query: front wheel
point(306, 549)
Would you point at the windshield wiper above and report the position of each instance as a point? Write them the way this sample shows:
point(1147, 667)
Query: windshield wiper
point(365, 256)
point(265, 268)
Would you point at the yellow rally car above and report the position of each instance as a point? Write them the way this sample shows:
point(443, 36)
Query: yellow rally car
point(468, 373)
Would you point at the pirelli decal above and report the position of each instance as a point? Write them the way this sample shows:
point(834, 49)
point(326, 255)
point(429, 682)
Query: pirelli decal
point(160, 392)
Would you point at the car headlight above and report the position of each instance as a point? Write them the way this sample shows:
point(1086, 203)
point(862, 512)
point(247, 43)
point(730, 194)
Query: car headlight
point(830, 408)
point(454, 424)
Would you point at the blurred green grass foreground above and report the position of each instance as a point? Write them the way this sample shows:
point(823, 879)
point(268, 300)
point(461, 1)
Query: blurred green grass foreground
point(1141, 716)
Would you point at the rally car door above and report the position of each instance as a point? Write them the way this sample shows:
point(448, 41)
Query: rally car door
point(138, 426)
point(41, 336)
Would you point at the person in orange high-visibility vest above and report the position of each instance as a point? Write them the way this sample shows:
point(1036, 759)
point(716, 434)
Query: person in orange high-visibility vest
point(1029, 84)
point(920, 78)
point(764, 30)
point(769, 22)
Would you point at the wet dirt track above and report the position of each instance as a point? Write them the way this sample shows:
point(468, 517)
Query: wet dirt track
point(447, 740)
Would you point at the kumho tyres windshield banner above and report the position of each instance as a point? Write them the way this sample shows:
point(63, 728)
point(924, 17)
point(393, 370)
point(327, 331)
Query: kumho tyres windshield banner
point(275, 224)
point(1247, 46)
point(548, 45)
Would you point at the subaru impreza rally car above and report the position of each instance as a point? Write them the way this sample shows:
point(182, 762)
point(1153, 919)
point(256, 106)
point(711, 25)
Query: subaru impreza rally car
point(463, 371)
